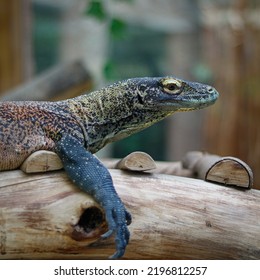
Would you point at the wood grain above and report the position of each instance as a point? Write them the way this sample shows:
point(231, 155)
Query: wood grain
point(41, 217)
point(229, 171)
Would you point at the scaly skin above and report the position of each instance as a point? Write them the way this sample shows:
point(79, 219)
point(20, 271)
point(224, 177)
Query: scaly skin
point(76, 128)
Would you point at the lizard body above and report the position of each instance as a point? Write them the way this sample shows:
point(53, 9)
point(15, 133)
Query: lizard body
point(78, 127)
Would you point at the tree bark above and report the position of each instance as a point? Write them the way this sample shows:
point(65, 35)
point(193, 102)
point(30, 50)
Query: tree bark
point(44, 216)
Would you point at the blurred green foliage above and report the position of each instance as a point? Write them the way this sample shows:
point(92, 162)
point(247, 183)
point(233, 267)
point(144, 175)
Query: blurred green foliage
point(96, 9)
point(117, 30)
point(116, 27)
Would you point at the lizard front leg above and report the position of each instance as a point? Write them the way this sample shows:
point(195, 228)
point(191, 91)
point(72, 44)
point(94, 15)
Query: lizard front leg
point(90, 175)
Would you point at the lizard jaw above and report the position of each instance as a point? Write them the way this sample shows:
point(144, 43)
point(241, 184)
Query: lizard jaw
point(189, 102)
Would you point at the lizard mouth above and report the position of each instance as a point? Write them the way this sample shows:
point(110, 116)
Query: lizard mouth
point(190, 101)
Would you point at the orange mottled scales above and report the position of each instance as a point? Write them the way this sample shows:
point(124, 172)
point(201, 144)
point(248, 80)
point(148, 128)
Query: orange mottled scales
point(26, 127)
point(76, 128)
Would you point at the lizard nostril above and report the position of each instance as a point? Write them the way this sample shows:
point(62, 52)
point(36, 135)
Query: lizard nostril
point(210, 89)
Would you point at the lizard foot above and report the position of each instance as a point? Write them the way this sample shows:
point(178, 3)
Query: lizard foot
point(118, 218)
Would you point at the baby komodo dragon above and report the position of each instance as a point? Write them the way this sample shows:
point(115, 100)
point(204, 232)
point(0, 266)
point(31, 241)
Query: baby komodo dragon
point(78, 127)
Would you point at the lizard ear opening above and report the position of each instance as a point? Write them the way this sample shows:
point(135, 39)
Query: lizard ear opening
point(140, 99)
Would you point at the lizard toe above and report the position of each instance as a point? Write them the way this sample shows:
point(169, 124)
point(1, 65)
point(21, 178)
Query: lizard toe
point(118, 218)
point(128, 218)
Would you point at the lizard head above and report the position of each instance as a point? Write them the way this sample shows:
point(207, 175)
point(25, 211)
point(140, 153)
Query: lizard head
point(171, 94)
point(145, 101)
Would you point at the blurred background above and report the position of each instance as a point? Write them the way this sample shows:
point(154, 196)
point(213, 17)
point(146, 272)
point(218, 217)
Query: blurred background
point(59, 49)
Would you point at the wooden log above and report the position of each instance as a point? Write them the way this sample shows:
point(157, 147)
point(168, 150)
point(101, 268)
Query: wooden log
point(44, 216)
point(148, 165)
point(136, 161)
point(225, 170)
point(229, 171)
point(60, 82)
point(42, 161)
point(172, 168)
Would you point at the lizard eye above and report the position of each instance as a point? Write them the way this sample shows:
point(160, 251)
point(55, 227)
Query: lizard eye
point(172, 86)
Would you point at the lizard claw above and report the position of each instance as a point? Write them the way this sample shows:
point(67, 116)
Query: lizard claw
point(128, 218)
point(118, 218)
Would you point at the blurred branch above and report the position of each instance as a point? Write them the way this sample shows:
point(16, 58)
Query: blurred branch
point(61, 82)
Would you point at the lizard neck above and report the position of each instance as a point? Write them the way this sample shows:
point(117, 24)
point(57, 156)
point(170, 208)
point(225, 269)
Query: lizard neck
point(109, 117)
